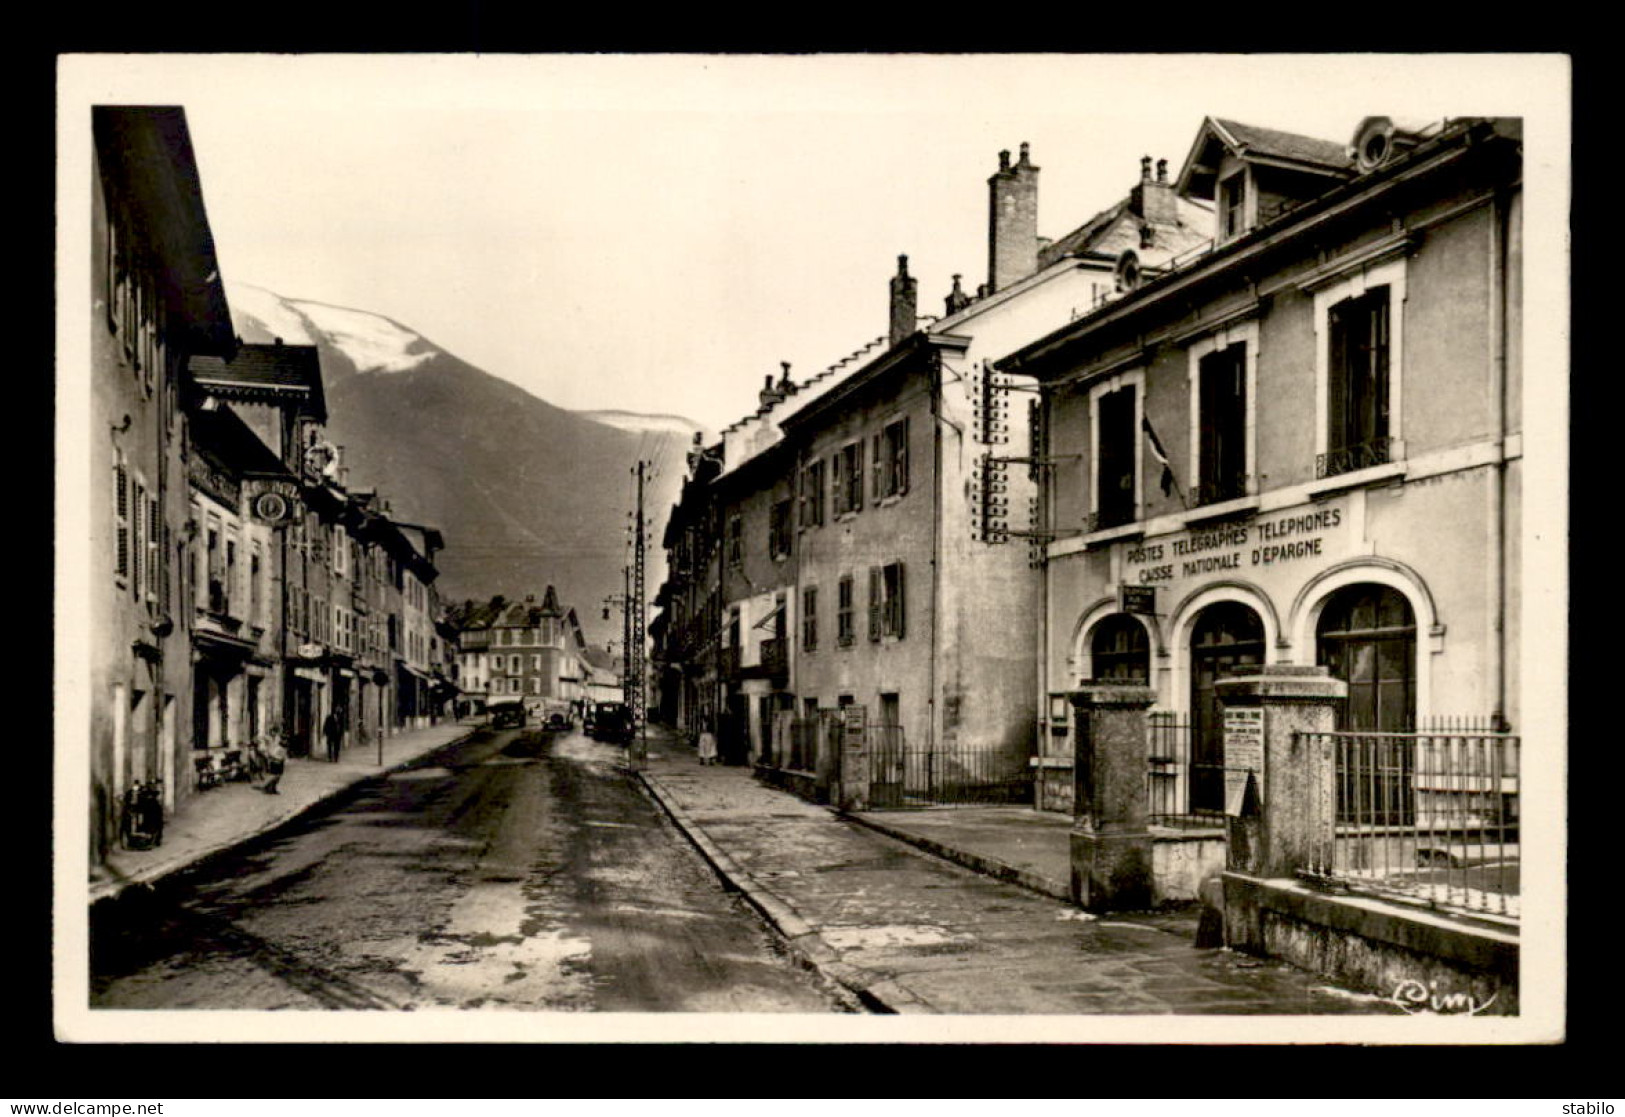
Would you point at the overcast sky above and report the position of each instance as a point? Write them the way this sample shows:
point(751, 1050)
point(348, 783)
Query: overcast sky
point(657, 233)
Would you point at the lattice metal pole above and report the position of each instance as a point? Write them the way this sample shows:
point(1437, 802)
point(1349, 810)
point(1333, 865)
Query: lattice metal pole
point(640, 721)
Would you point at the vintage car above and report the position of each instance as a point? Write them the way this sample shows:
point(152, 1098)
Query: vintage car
point(506, 714)
point(612, 721)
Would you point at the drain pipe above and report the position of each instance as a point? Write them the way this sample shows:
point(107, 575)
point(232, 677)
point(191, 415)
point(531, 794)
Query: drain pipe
point(1499, 221)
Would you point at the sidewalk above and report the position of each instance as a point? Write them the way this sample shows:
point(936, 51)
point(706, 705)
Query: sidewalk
point(911, 933)
point(221, 817)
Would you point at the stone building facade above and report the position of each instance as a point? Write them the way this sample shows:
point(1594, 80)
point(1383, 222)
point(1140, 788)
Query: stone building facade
point(1303, 446)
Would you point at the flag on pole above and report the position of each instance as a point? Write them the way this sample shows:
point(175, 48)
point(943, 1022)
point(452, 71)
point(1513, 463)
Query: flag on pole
point(1160, 454)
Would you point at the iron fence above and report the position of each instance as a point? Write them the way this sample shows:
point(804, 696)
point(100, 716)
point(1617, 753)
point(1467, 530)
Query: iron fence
point(1430, 816)
point(1179, 790)
point(904, 776)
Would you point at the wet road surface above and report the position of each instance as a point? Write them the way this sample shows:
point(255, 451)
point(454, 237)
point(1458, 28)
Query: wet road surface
point(515, 870)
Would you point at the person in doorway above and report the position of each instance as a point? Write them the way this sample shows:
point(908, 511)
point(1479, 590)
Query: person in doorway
point(333, 733)
point(276, 759)
point(708, 745)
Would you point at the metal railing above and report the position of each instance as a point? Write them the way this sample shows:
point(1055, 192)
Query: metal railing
point(1179, 791)
point(1362, 455)
point(1430, 816)
point(1109, 517)
point(1218, 490)
point(904, 776)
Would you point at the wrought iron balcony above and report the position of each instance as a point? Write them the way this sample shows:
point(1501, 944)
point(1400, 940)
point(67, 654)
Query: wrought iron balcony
point(1219, 490)
point(1103, 518)
point(1347, 459)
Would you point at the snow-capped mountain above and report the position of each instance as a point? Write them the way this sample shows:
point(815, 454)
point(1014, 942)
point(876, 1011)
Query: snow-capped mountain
point(526, 493)
point(368, 342)
point(655, 424)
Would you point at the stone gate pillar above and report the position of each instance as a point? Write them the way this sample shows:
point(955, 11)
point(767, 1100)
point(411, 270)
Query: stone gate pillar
point(1279, 791)
point(854, 795)
point(1111, 845)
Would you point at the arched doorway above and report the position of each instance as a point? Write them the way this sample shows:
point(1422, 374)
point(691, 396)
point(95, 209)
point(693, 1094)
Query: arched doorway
point(1366, 636)
point(1120, 651)
point(1227, 639)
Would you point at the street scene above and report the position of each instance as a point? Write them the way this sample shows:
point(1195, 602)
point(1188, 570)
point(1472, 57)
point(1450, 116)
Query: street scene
point(572, 535)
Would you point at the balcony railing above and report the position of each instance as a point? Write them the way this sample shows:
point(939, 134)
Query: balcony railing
point(730, 662)
point(1103, 518)
point(775, 658)
point(1219, 490)
point(1347, 459)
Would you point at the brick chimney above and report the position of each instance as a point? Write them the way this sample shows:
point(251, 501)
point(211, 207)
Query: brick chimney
point(957, 299)
point(905, 302)
point(787, 387)
point(769, 395)
point(1153, 199)
point(1012, 235)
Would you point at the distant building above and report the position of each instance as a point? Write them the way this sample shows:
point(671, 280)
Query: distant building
point(526, 649)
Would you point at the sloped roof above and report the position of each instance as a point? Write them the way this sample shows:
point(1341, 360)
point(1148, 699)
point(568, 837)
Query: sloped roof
point(261, 372)
point(1306, 154)
point(1287, 145)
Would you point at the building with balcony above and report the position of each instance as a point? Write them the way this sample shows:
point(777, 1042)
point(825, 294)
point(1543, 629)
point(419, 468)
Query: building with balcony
point(1302, 446)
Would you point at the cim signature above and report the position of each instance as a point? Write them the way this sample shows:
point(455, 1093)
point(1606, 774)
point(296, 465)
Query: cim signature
point(1412, 996)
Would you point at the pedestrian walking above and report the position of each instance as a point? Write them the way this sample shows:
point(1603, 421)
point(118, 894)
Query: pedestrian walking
point(333, 731)
point(708, 746)
point(276, 759)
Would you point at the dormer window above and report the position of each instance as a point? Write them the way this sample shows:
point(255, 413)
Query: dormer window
point(1233, 206)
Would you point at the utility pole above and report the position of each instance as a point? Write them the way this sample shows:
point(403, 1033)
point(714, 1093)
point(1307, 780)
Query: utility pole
point(635, 652)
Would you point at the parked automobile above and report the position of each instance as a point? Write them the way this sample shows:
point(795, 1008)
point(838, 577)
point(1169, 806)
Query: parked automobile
point(612, 721)
point(506, 714)
point(558, 719)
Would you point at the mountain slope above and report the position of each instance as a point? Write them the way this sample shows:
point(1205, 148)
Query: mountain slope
point(526, 493)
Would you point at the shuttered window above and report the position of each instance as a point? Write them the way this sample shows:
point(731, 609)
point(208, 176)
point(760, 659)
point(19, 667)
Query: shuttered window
point(844, 628)
point(154, 549)
point(892, 589)
point(138, 545)
point(875, 602)
point(121, 518)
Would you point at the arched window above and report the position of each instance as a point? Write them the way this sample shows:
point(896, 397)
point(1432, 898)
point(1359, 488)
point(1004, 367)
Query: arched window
point(1367, 637)
point(1119, 651)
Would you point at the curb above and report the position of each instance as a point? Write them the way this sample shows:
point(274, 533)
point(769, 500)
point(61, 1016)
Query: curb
point(880, 995)
point(987, 866)
point(113, 891)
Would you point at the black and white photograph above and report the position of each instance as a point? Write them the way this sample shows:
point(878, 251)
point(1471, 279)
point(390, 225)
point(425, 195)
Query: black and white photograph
point(821, 547)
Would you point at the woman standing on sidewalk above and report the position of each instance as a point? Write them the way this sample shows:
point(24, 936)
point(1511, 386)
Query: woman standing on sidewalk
point(708, 745)
point(276, 759)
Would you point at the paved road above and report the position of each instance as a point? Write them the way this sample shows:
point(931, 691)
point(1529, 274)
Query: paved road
point(516, 870)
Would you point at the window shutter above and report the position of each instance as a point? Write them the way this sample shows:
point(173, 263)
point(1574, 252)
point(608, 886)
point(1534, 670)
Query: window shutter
point(153, 552)
point(138, 546)
point(875, 593)
point(839, 500)
point(856, 480)
point(902, 461)
point(877, 469)
point(898, 605)
point(121, 518)
point(1337, 378)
